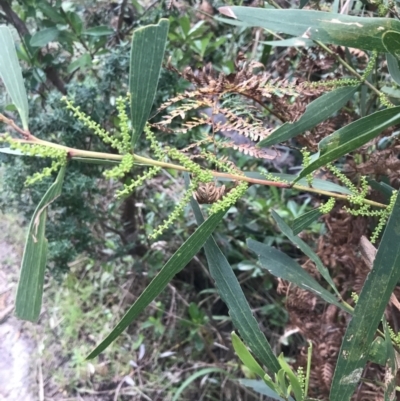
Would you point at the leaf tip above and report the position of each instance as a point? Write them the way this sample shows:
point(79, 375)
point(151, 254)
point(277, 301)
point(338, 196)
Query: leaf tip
point(227, 11)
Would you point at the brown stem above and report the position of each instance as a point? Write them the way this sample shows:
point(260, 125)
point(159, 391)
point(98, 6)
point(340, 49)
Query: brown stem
point(26, 134)
point(77, 153)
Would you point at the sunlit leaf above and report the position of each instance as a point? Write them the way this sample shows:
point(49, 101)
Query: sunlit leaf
point(14, 152)
point(260, 387)
point(294, 382)
point(292, 42)
point(245, 356)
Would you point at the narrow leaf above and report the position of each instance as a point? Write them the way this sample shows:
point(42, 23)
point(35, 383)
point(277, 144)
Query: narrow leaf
point(335, 6)
point(317, 183)
point(351, 137)
point(104, 162)
point(305, 220)
point(305, 249)
point(76, 22)
point(260, 387)
point(230, 21)
point(385, 189)
point(392, 93)
point(245, 356)
point(196, 375)
point(294, 382)
point(101, 30)
point(338, 29)
point(44, 36)
point(81, 62)
point(147, 53)
point(391, 42)
point(10, 151)
point(303, 3)
point(368, 312)
point(232, 294)
point(30, 287)
point(51, 12)
point(378, 351)
point(282, 266)
point(174, 265)
point(364, 97)
point(316, 112)
point(394, 68)
point(11, 74)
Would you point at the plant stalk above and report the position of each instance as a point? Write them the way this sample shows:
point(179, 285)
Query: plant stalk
point(82, 154)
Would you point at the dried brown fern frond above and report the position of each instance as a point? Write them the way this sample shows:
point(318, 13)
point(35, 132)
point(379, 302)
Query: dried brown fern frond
point(250, 129)
point(244, 81)
point(379, 163)
point(195, 122)
point(183, 96)
point(162, 128)
point(230, 164)
point(197, 144)
point(182, 110)
point(251, 150)
point(247, 86)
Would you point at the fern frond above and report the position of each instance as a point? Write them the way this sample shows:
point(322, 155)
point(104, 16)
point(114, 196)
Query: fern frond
point(181, 111)
point(244, 81)
point(250, 129)
point(207, 139)
point(280, 87)
point(195, 122)
point(230, 165)
point(251, 150)
point(162, 128)
point(196, 94)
